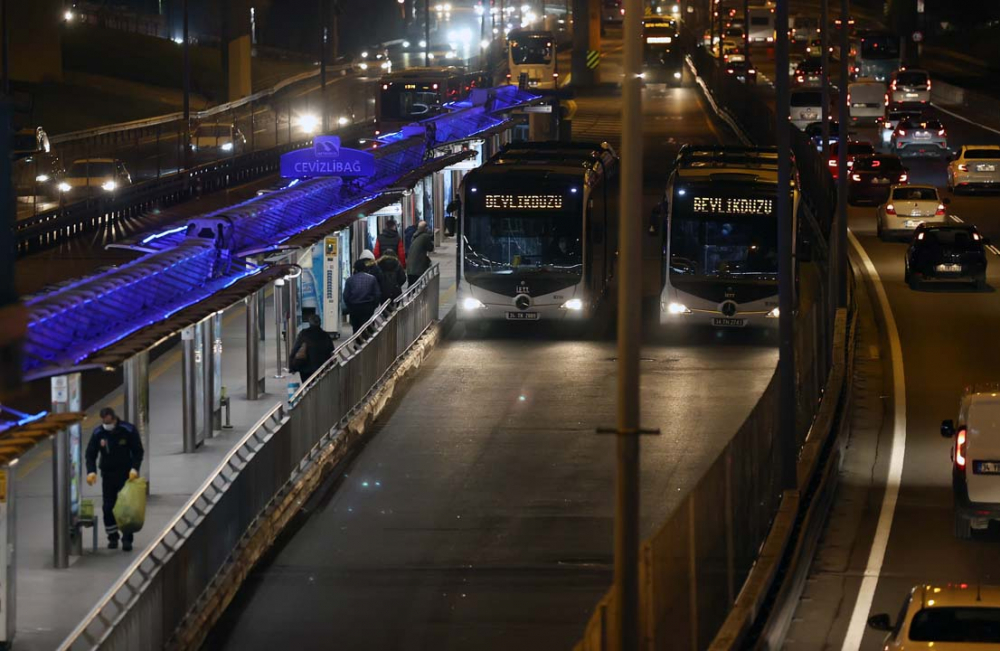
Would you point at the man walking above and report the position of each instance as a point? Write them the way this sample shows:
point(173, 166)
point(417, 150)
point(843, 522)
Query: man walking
point(120, 450)
point(393, 276)
point(312, 348)
point(389, 240)
point(419, 261)
point(362, 295)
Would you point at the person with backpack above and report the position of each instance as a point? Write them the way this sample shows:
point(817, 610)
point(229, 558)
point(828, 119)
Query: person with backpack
point(362, 295)
point(389, 239)
point(393, 276)
point(312, 348)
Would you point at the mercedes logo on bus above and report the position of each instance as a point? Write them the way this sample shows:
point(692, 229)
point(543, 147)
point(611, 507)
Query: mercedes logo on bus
point(728, 308)
point(522, 301)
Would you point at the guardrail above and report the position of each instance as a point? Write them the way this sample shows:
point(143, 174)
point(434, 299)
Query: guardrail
point(160, 600)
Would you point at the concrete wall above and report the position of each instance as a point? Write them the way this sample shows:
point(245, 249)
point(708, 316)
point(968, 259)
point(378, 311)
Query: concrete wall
point(35, 40)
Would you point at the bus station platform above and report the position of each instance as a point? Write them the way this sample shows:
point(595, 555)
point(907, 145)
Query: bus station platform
point(51, 602)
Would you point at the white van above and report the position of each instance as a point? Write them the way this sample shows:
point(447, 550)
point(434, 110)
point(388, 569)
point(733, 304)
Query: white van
point(975, 459)
point(866, 100)
point(806, 106)
point(761, 24)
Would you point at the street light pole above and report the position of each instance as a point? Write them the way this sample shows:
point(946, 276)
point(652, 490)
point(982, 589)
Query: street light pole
point(626, 587)
point(187, 84)
point(427, 33)
point(824, 21)
point(843, 110)
point(324, 21)
point(786, 263)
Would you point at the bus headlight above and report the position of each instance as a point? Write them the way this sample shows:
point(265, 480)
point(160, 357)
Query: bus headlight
point(472, 304)
point(774, 314)
point(109, 186)
point(678, 308)
point(574, 304)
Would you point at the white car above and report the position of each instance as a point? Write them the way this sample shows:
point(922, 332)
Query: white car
point(951, 617)
point(975, 459)
point(910, 86)
point(217, 139)
point(806, 107)
point(976, 166)
point(907, 207)
point(94, 176)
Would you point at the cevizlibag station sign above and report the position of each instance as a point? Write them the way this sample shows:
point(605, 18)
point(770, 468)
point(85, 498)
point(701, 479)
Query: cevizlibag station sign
point(327, 158)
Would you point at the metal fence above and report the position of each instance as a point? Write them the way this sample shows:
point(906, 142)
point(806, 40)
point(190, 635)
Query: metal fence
point(159, 591)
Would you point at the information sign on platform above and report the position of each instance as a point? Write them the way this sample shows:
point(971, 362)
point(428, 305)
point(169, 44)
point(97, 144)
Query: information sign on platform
point(327, 158)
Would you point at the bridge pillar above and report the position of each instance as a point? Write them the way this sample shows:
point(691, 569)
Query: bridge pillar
point(437, 201)
point(255, 381)
point(292, 327)
point(66, 470)
point(408, 204)
point(136, 371)
point(189, 390)
point(279, 288)
point(207, 378)
point(236, 48)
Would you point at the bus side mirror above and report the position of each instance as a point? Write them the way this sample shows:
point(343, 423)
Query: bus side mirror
point(805, 252)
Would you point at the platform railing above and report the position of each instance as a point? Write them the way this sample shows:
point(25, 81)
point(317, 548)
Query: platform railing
point(163, 588)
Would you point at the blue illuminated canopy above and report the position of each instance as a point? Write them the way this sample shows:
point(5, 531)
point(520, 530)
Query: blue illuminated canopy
point(327, 158)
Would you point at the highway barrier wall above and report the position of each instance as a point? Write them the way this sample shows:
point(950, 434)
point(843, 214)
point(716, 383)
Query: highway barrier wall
point(173, 593)
point(711, 573)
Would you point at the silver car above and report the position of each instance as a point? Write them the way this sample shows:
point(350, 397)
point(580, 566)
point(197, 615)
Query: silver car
point(919, 137)
point(893, 116)
point(907, 207)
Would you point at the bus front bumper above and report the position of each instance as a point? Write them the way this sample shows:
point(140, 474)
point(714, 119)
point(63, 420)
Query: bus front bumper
point(470, 309)
point(677, 315)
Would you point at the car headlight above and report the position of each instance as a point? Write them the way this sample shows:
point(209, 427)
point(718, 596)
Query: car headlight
point(65, 187)
point(42, 178)
point(109, 186)
point(363, 66)
point(677, 75)
point(472, 304)
point(574, 304)
point(194, 147)
point(774, 314)
point(227, 146)
point(678, 308)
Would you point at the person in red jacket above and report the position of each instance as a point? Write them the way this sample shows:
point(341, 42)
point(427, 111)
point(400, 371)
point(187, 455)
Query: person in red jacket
point(389, 239)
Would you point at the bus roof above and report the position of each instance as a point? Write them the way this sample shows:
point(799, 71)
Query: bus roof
point(424, 73)
point(557, 157)
point(696, 162)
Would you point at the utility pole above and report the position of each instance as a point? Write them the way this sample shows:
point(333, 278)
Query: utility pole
point(786, 263)
point(746, 28)
point(427, 33)
point(626, 587)
point(841, 263)
point(187, 85)
point(824, 21)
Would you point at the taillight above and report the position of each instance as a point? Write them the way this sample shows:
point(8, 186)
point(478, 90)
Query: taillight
point(800, 79)
point(960, 448)
point(940, 210)
point(928, 85)
point(962, 167)
point(893, 85)
point(903, 177)
point(855, 177)
point(890, 209)
point(941, 132)
point(902, 132)
point(833, 162)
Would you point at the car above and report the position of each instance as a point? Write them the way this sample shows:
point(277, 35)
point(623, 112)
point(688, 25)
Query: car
point(919, 137)
point(976, 166)
point(814, 131)
point(87, 176)
point(804, 28)
point(907, 207)
point(732, 54)
point(953, 616)
point(855, 149)
point(951, 252)
point(743, 71)
point(815, 47)
point(975, 450)
point(910, 86)
point(217, 139)
point(732, 37)
point(805, 106)
point(893, 115)
point(809, 73)
point(373, 60)
point(872, 176)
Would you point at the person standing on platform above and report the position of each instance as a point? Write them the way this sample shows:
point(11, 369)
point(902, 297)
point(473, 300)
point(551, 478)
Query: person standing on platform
point(362, 295)
point(119, 447)
point(389, 239)
point(393, 276)
point(318, 348)
point(420, 261)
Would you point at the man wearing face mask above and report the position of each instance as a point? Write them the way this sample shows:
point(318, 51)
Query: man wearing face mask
point(120, 449)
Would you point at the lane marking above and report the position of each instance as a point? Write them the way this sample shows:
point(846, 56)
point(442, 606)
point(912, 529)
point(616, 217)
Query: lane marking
point(965, 119)
point(859, 617)
point(989, 247)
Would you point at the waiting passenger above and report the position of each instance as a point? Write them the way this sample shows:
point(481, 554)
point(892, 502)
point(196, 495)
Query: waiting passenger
point(362, 296)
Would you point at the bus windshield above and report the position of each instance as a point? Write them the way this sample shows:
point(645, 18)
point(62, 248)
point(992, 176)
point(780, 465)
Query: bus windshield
point(723, 233)
point(880, 46)
point(513, 242)
point(531, 50)
point(400, 102)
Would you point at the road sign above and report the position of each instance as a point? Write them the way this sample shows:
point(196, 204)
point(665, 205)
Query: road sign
point(918, 37)
point(327, 158)
point(593, 59)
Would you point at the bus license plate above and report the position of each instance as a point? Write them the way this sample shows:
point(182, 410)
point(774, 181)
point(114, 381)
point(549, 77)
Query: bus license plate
point(729, 323)
point(986, 467)
point(522, 316)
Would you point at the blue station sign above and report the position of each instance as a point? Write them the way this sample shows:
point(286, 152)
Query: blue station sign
point(327, 158)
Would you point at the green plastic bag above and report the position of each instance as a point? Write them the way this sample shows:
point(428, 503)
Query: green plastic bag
point(130, 507)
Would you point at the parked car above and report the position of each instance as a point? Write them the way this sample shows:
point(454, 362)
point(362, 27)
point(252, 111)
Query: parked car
point(907, 208)
point(872, 176)
point(952, 252)
point(976, 166)
point(88, 176)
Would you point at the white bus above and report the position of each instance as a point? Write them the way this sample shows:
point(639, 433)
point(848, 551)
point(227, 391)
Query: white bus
point(538, 233)
point(761, 25)
point(721, 238)
point(532, 54)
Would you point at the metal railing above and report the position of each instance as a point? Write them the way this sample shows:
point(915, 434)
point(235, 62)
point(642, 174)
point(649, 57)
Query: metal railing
point(163, 587)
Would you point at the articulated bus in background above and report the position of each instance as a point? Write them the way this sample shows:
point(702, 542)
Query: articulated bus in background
point(407, 96)
point(761, 24)
point(662, 55)
point(721, 238)
point(532, 53)
point(538, 233)
point(877, 55)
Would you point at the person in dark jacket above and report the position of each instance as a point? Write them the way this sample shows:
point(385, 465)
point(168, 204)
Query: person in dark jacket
point(419, 261)
point(362, 295)
point(389, 239)
point(119, 447)
point(371, 265)
point(393, 276)
point(318, 348)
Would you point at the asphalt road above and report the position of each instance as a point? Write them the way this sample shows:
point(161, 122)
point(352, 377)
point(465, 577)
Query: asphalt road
point(946, 335)
point(480, 513)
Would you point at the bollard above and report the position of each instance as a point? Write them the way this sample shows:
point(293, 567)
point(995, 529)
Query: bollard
point(224, 403)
